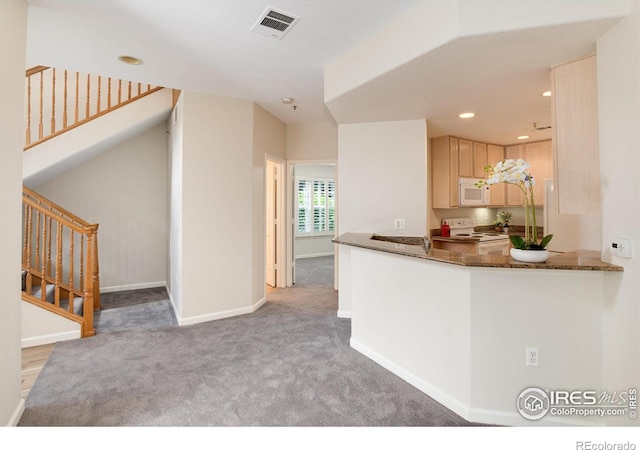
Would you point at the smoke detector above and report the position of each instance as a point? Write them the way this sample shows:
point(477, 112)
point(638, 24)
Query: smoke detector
point(275, 23)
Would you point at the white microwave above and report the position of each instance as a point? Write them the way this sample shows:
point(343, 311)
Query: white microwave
point(471, 194)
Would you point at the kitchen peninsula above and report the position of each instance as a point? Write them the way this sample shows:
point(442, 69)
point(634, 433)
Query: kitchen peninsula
point(457, 326)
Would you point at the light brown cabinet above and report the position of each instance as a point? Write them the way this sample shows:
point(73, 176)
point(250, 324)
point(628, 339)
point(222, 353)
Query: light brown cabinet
point(498, 193)
point(453, 158)
point(574, 115)
point(538, 155)
point(444, 172)
point(479, 159)
point(465, 158)
point(450, 157)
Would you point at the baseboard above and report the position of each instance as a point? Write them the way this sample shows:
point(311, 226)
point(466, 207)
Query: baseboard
point(343, 314)
point(17, 414)
point(455, 405)
point(132, 287)
point(49, 339)
point(314, 255)
point(476, 415)
point(214, 316)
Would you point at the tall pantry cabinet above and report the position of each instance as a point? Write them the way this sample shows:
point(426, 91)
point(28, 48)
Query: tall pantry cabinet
point(576, 153)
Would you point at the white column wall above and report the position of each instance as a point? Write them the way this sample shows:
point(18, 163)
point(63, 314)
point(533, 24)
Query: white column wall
point(216, 217)
point(382, 169)
point(174, 205)
point(13, 23)
point(217, 159)
point(619, 115)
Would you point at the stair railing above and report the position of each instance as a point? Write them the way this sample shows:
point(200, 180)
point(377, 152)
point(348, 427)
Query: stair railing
point(60, 261)
point(59, 100)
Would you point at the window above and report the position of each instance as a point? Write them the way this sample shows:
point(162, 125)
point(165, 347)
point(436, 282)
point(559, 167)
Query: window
point(316, 206)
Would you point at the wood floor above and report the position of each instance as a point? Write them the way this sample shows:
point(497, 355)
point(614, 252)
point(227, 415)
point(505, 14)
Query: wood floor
point(33, 360)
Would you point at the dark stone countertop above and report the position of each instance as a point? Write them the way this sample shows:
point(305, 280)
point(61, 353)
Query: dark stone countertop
point(588, 260)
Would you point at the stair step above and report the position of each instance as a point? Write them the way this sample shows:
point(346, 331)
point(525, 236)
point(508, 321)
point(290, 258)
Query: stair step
point(78, 302)
point(49, 292)
point(77, 305)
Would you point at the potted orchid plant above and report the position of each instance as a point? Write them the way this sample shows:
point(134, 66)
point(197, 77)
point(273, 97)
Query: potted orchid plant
point(514, 171)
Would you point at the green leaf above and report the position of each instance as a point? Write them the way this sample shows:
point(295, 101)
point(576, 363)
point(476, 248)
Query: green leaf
point(545, 240)
point(517, 241)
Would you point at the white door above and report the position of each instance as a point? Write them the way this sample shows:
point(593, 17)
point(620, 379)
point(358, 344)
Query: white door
point(271, 207)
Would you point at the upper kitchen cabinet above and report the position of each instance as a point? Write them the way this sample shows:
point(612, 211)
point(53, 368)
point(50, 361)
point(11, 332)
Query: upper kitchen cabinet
point(574, 114)
point(444, 172)
point(479, 159)
point(498, 192)
point(465, 158)
point(539, 157)
point(453, 158)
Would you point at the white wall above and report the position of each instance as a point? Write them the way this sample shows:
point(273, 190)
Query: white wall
point(382, 177)
point(217, 160)
point(174, 205)
point(13, 23)
point(442, 328)
point(217, 205)
point(382, 169)
point(619, 115)
point(312, 141)
point(40, 327)
point(124, 191)
point(269, 137)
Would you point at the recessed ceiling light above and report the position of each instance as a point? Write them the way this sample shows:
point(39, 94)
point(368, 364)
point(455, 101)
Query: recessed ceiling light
point(522, 137)
point(546, 94)
point(287, 100)
point(130, 60)
point(467, 115)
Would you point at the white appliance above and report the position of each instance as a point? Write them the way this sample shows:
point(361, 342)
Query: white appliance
point(472, 195)
point(570, 231)
point(489, 243)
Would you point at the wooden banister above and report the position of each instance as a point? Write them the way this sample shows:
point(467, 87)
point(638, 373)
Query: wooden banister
point(60, 256)
point(54, 97)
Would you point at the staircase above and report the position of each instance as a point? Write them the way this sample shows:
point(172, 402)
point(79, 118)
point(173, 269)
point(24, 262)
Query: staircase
point(59, 261)
point(60, 271)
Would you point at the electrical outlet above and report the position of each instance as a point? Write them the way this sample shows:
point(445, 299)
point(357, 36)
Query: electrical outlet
point(399, 224)
point(621, 247)
point(532, 356)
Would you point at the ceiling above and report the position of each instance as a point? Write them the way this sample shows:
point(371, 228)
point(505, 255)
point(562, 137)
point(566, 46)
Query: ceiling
point(208, 46)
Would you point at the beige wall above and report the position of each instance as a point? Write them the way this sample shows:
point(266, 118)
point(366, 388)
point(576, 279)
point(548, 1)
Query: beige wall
point(269, 138)
point(217, 214)
point(124, 191)
point(382, 169)
point(312, 141)
point(13, 23)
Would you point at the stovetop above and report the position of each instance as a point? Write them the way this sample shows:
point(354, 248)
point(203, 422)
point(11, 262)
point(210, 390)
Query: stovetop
point(462, 228)
point(481, 236)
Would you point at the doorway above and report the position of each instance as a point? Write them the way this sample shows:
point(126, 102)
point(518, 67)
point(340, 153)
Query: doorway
point(275, 222)
point(312, 207)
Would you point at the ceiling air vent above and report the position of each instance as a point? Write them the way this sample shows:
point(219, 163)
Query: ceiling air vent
point(275, 23)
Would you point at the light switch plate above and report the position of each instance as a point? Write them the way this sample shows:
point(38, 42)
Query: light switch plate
point(620, 247)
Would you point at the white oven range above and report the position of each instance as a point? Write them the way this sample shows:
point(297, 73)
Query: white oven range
point(489, 243)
